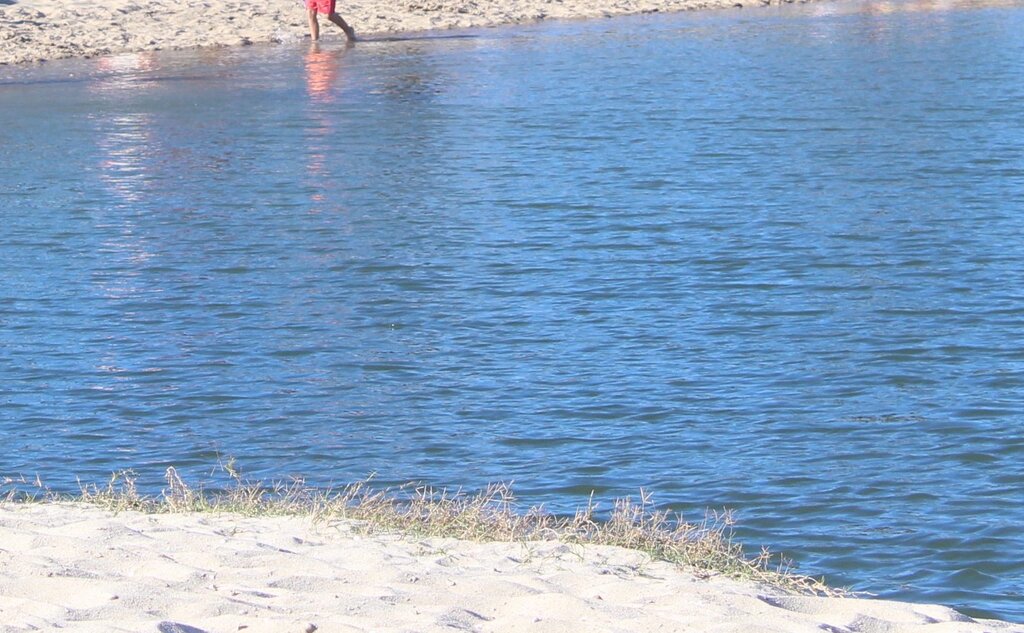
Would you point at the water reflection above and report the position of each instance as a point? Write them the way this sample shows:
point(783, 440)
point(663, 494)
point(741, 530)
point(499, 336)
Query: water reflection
point(126, 145)
point(124, 138)
point(322, 69)
point(888, 7)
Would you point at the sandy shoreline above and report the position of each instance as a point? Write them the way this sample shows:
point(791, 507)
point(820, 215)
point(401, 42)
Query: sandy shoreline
point(81, 568)
point(36, 30)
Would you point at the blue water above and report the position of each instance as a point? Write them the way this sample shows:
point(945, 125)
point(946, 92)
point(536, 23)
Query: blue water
point(767, 260)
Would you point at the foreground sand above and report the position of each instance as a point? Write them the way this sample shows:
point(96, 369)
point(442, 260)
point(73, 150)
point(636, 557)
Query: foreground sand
point(80, 568)
point(34, 30)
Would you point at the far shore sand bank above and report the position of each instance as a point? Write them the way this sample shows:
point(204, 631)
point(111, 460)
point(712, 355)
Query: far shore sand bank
point(75, 567)
point(38, 30)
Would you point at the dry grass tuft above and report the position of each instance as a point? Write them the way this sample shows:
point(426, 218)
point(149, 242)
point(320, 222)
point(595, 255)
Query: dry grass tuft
point(489, 515)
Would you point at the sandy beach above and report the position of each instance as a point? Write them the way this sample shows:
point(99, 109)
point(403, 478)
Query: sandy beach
point(81, 568)
point(36, 30)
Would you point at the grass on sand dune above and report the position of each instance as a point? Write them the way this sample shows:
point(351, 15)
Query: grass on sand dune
point(490, 515)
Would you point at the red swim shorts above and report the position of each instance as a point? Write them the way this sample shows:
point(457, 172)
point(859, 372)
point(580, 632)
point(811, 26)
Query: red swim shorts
point(321, 6)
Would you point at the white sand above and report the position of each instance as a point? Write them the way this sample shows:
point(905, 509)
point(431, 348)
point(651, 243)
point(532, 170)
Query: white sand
point(33, 30)
point(79, 568)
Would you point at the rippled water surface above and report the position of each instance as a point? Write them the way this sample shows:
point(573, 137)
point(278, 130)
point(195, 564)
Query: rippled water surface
point(768, 260)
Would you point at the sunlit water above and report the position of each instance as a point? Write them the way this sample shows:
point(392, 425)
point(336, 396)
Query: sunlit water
point(767, 260)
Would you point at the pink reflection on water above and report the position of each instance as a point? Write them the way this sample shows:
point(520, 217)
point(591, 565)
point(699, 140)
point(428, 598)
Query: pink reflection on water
point(887, 7)
point(125, 140)
point(322, 69)
point(125, 147)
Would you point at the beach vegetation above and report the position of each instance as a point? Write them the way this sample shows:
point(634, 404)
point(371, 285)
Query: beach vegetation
point(705, 548)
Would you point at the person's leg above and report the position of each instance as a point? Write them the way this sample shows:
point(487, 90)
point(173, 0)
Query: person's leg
point(350, 32)
point(314, 26)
